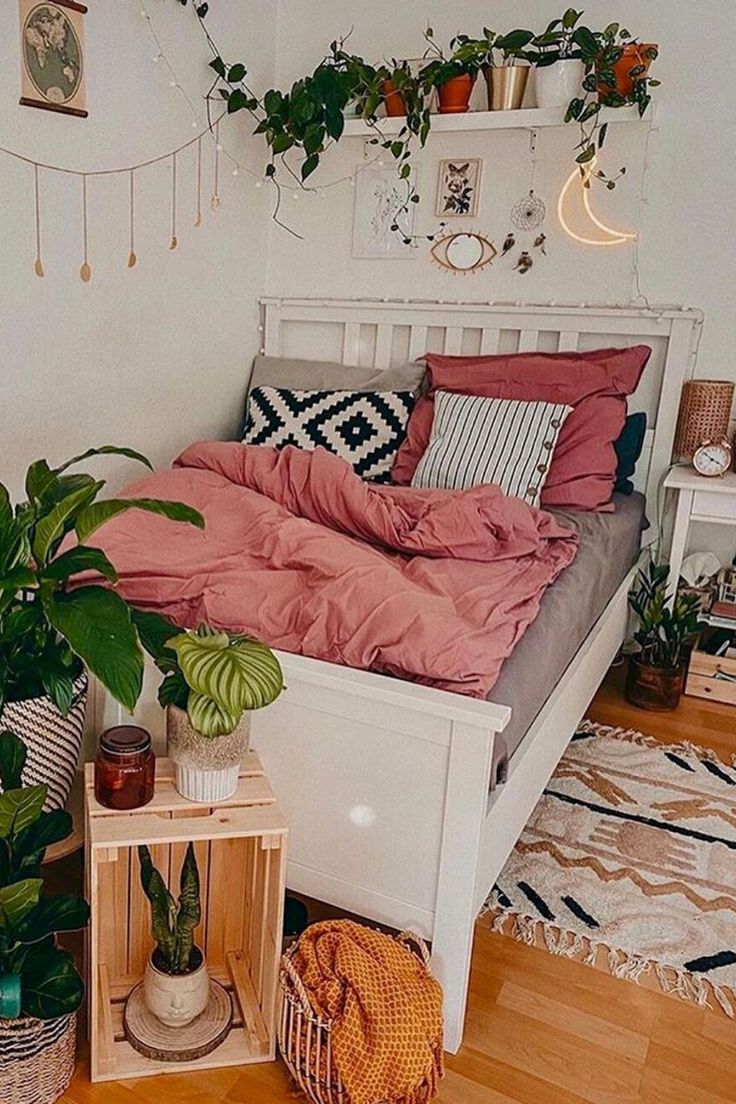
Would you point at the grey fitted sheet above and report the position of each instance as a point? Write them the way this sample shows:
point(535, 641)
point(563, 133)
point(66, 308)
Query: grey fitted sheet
point(609, 546)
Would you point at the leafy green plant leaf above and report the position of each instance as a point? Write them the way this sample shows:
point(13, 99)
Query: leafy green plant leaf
point(50, 916)
point(98, 626)
point(31, 842)
point(208, 717)
point(105, 450)
point(17, 900)
point(51, 986)
point(12, 760)
point(19, 808)
point(238, 674)
point(79, 559)
point(98, 513)
point(52, 526)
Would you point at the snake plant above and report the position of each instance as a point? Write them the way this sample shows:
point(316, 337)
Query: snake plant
point(37, 978)
point(214, 676)
point(173, 927)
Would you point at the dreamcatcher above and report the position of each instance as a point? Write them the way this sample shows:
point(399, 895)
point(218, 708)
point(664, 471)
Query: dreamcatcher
point(527, 219)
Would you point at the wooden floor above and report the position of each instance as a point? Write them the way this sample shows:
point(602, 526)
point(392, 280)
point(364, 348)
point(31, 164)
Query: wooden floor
point(540, 1030)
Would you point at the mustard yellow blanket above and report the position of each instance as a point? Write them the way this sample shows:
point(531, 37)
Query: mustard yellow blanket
point(385, 1007)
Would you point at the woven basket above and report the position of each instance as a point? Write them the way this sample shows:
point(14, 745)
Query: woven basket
point(36, 1059)
point(705, 411)
point(53, 742)
point(304, 1037)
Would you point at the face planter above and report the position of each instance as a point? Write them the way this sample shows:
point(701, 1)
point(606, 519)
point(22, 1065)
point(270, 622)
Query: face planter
point(177, 999)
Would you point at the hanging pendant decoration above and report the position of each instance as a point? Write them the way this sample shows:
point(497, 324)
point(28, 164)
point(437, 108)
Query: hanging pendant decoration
point(529, 213)
point(174, 240)
point(215, 201)
point(198, 219)
point(132, 257)
point(38, 266)
point(85, 271)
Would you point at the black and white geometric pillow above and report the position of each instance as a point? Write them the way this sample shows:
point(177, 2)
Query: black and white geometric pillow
point(478, 440)
point(365, 428)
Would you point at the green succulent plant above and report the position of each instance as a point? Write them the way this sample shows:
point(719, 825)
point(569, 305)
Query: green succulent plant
point(50, 985)
point(49, 630)
point(214, 676)
point(172, 925)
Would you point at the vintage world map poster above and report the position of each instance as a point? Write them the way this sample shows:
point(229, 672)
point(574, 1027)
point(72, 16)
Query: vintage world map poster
point(52, 55)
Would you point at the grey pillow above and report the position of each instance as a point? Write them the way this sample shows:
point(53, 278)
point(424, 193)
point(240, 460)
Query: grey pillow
point(325, 375)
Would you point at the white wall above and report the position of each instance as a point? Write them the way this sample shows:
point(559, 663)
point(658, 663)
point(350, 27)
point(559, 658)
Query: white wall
point(687, 224)
point(157, 356)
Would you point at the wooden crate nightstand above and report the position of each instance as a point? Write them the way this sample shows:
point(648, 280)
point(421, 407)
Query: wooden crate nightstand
point(241, 853)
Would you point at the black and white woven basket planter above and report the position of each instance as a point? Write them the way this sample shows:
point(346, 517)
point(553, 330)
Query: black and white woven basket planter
point(54, 742)
point(36, 1059)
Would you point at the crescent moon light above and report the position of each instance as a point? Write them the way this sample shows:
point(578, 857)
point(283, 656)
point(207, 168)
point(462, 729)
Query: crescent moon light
point(616, 237)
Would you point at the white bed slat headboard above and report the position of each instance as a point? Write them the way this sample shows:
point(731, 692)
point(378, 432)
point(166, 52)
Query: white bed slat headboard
point(383, 333)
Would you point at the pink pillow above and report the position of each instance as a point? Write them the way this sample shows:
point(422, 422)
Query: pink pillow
point(595, 384)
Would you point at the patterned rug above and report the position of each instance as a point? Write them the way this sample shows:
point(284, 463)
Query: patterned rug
point(628, 863)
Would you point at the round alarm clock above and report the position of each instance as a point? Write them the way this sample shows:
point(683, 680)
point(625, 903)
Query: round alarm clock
point(712, 458)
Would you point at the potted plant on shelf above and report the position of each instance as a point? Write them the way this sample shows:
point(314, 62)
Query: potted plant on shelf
point(656, 674)
point(213, 680)
point(616, 75)
point(52, 632)
point(176, 985)
point(507, 82)
point(40, 988)
point(557, 57)
point(454, 77)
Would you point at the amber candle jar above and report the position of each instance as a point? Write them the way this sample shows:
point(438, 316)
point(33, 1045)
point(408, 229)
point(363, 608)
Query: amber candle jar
point(125, 768)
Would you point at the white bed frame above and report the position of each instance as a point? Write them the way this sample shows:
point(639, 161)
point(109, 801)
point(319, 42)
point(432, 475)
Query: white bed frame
point(386, 784)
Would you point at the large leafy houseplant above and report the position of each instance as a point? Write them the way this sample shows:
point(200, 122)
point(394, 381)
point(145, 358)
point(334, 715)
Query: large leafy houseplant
point(49, 629)
point(45, 975)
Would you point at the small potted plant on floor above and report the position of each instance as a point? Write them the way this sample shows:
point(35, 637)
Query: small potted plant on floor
point(656, 674)
point(212, 682)
point(176, 985)
point(557, 57)
point(40, 988)
point(51, 633)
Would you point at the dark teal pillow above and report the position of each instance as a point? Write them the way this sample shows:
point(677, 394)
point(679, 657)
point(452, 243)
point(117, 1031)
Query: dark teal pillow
point(628, 450)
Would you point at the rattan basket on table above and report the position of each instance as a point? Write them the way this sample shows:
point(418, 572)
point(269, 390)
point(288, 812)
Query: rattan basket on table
point(36, 1059)
point(705, 411)
point(304, 1037)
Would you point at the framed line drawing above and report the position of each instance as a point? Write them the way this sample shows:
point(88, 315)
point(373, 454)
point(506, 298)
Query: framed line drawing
point(379, 196)
point(52, 55)
point(458, 187)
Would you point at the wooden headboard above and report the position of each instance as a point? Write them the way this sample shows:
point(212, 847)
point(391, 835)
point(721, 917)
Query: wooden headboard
point(383, 333)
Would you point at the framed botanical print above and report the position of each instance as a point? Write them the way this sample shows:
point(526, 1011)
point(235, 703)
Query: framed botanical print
point(458, 187)
point(52, 55)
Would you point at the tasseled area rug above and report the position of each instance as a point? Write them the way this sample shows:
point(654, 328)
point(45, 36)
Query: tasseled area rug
point(628, 863)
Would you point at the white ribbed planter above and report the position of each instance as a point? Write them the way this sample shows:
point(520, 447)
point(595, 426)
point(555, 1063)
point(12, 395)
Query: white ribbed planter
point(555, 85)
point(207, 770)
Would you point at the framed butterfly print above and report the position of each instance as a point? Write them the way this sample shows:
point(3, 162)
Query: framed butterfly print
point(458, 187)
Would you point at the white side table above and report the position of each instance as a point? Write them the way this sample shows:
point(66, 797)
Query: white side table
point(698, 499)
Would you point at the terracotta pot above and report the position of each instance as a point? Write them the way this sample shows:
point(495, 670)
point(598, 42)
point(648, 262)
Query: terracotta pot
point(455, 93)
point(657, 689)
point(633, 56)
point(177, 999)
point(206, 769)
point(506, 86)
point(394, 101)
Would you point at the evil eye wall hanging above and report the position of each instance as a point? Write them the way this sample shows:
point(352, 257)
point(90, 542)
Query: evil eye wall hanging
point(463, 252)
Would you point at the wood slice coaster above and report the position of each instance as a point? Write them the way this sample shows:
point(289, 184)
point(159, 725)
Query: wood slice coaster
point(194, 1040)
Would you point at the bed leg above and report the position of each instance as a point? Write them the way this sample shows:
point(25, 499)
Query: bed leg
point(466, 802)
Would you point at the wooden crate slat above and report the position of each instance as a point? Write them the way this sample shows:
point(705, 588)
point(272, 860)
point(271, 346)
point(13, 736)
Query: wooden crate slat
point(253, 789)
point(255, 820)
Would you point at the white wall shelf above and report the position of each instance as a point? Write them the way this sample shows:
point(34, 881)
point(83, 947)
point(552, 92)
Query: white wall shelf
point(531, 118)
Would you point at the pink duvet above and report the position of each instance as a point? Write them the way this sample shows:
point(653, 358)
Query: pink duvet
point(432, 586)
